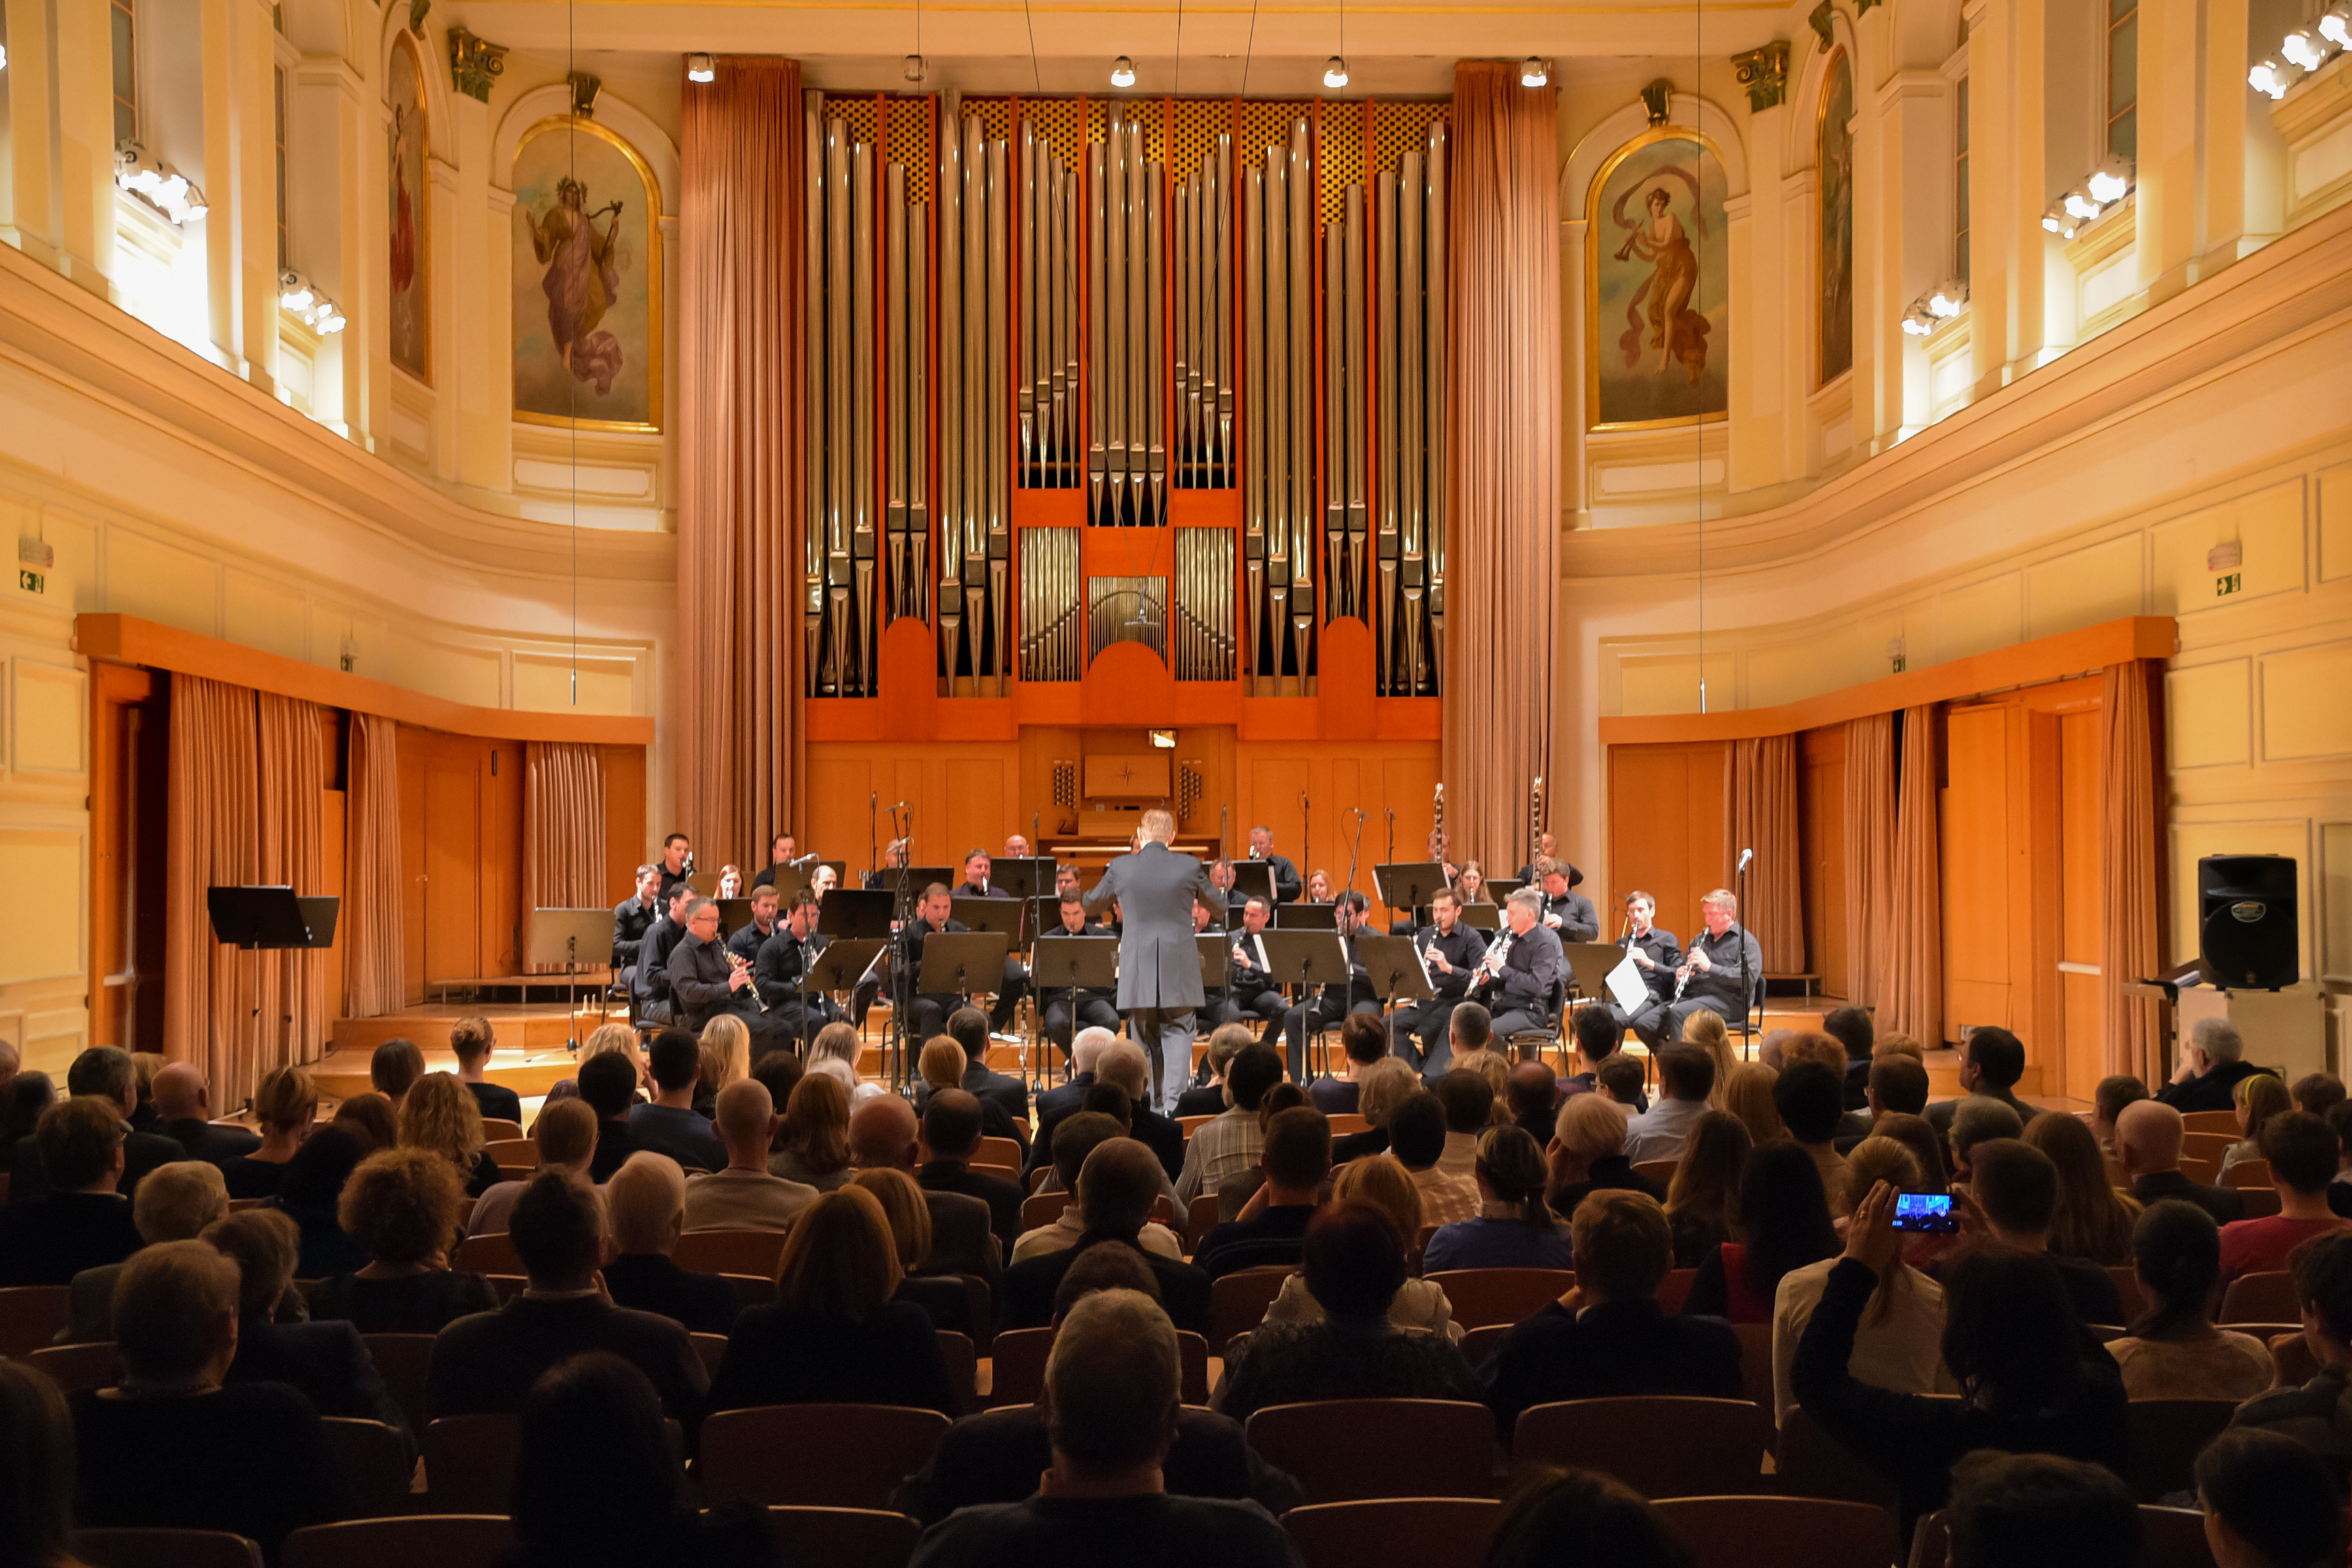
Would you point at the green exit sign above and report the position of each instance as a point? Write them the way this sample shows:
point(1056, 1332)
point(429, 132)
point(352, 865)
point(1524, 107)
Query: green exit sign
point(32, 582)
point(2226, 585)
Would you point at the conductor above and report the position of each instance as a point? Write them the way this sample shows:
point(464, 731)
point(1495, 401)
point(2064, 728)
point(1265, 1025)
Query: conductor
point(1159, 965)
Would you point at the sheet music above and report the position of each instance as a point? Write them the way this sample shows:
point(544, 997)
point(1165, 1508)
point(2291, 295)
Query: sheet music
point(1626, 985)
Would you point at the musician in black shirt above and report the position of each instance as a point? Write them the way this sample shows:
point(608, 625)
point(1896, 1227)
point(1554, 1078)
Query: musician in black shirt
point(676, 853)
point(784, 959)
point(661, 938)
point(1656, 953)
point(1569, 915)
point(926, 1013)
point(1330, 1003)
point(1096, 1007)
point(1451, 951)
point(1254, 996)
point(631, 918)
point(1715, 966)
point(746, 942)
point(780, 853)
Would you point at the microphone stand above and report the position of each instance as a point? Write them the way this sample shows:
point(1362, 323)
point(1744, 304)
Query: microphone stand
point(872, 800)
point(902, 981)
point(1746, 990)
point(1224, 851)
point(1356, 848)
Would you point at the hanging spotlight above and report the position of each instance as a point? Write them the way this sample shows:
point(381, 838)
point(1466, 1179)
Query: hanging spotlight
point(1122, 72)
point(915, 67)
point(2111, 182)
point(2058, 218)
point(1533, 72)
point(2306, 47)
point(2272, 77)
point(1947, 299)
point(699, 68)
point(1335, 72)
point(2335, 25)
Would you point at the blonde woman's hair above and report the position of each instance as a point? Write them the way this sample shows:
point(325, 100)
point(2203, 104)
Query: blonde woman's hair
point(726, 1052)
point(1591, 1128)
point(610, 1037)
point(1748, 1096)
point(839, 1259)
point(645, 1203)
point(1706, 1031)
point(1877, 1160)
point(1495, 1068)
point(441, 1114)
point(1388, 1187)
point(177, 1201)
point(285, 1099)
point(903, 1207)
point(817, 1122)
point(1385, 1085)
point(942, 1062)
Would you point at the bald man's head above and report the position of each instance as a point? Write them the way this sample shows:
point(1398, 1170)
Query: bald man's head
point(2148, 1138)
point(1086, 1050)
point(882, 1135)
point(746, 1117)
point(179, 1091)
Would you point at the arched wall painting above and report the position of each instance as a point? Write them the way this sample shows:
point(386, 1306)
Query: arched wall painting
point(587, 279)
point(411, 272)
point(1835, 144)
point(1658, 284)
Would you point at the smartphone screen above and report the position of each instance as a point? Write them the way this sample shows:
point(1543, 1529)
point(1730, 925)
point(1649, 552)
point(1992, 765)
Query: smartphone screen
point(1930, 1212)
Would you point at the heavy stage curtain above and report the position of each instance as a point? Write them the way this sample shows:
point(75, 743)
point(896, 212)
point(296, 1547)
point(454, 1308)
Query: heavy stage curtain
point(1764, 819)
point(1912, 998)
point(1870, 807)
point(371, 918)
point(738, 743)
point(1503, 566)
point(2131, 866)
point(563, 830)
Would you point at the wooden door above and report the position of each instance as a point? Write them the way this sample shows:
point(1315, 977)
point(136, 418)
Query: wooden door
point(1820, 840)
point(461, 855)
point(1977, 849)
point(1669, 829)
point(2082, 900)
point(129, 795)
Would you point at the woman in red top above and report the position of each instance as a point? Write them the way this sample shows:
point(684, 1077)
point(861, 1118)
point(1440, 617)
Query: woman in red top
point(1784, 1224)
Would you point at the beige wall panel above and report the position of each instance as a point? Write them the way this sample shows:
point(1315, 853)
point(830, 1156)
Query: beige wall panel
point(2084, 588)
point(50, 719)
point(459, 674)
point(2334, 902)
point(49, 948)
point(265, 615)
point(2209, 714)
point(1668, 683)
point(2191, 841)
point(2268, 525)
point(1977, 619)
point(159, 582)
point(2335, 522)
point(53, 1039)
point(543, 682)
point(1791, 671)
point(2304, 711)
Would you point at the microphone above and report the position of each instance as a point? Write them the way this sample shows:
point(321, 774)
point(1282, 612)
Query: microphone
point(1745, 857)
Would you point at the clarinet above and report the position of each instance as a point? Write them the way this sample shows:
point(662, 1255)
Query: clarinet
point(1491, 967)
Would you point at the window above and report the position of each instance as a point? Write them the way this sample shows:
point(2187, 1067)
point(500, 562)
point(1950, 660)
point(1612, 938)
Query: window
point(1960, 186)
point(126, 73)
point(2123, 78)
point(278, 80)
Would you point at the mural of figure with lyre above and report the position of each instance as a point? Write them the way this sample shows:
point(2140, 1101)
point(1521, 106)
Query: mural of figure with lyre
point(1657, 259)
point(1676, 332)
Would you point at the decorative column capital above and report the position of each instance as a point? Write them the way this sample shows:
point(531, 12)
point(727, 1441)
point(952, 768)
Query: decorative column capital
point(1657, 100)
point(1764, 72)
point(474, 63)
point(1819, 19)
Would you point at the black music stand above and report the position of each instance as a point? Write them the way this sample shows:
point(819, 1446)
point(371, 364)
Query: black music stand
point(1408, 885)
point(789, 879)
point(1501, 888)
point(1216, 951)
point(1394, 966)
point(1254, 879)
point(571, 938)
point(1065, 963)
point(950, 958)
point(915, 879)
point(1023, 876)
point(856, 912)
point(1300, 915)
point(1305, 958)
point(841, 964)
point(1482, 917)
point(1588, 963)
point(273, 918)
point(734, 914)
point(1000, 915)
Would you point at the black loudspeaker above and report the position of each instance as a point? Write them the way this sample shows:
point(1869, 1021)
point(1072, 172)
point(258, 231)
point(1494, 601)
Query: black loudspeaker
point(2246, 931)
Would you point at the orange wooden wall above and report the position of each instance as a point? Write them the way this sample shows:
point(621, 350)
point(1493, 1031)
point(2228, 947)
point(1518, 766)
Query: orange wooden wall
point(1669, 831)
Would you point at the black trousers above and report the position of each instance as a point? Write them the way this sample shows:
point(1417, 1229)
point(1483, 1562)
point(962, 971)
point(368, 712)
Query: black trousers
point(1423, 1035)
point(1647, 1021)
point(1093, 1013)
point(1323, 1010)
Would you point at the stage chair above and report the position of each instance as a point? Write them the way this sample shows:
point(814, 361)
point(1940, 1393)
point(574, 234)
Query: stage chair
point(1783, 1533)
point(489, 1254)
point(1756, 1365)
point(753, 1290)
point(443, 1539)
point(2262, 1203)
point(515, 1150)
point(1018, 1368)
point(2163, 1438)
point(729, 1252)
point(999, 1151)
point(1659, 1171)
point(1347, 1123)
point(2250, 1174)
point(401, 1360)
point(1674, 1290)
point(1191, 1123)
point(1200, 1218)
point(1660, 1445)
point(470, 1463)
point(1810, 1463)
point(375, 1460)
point(164, 1549)
point(76, 1367)
point(843, 1537)
point(1341, 1450)
point(846, 1455)
point(1042, 1209)
point(30, 1317)
point(963, 1365)
point(711, 1349)
point(1482, 1297)
point(2266, 1298)
point(2223, 1122)
point(1237, 1301)
point(1478, 1346)
point(498, 1129)
point(1394, 1532)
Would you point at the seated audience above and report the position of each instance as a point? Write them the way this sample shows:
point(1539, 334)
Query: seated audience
point(183, 1111)
point(1748, 1096)
point(608, 1082)
point(1419, 1303)
point(1991, 1062)
point(2173, 1351)
point(439, 1115)
point(1824, 1051)
point(1596, 1037)
point(1608, 1336)
point(1532, 1099)
point(2258, 1099)
point(2303, 1153)
point(1624, 1083)
point(401, 1207)
point(742, 1194)
point(1513, 1227)
point(2148, 1146)
point(1363, 1040)
point(644, 1209)
point(2093, 1220)
point(472, 1040)
point(1555, 1517)
point(941, 1066)
point(1113, 1383)
point(1075, 1138)
point(1228, 1144)
point(489, 1362)
point(1207, 1096)
point(1118, 1184)
point(80, 1221)
point(2318, 1094)
point(1354, 1266)
point(2317, 1414)
point(1685, 1080)
point(2016, 1190)
point(813, 1144)
point(2269, 1502)
point(723, 1053)
point(605, 1039)
point(838, 1042)
point(941, 1297)
point(28, 1094)
point(1711, 1036)
point(1784, 1224)
point(1235, 1191)
point(37, 1470)
point(393, 1068)
point(670, 1125)
point(2012, 1340)
point(173, 1446)
point(1587, 1155)
point(598, 1483)
point(1807, 1095)
point(368, 1119)
point(327, 1359)
point(1915, 1134)
point(1417, 1142)
point(2107, 1102)
point(1895, 1085)
point(1898, 1344)
point(2038, 1510)
point(285, 1104)
point(1125, 1066)
point(107, 1076)
point(997, 1455)
point(565, 1134)
point(312, 1196)
point(2212, 1064)
point(1273, 1228)
point(1852, 1029)
point(951, 1133)
point(1469, 1104)
point(885, 1136)
point(174, 1203)
point(1384, 1086)
point(1978, 1119)
point(969, 1026)
point(1703, 1198)
point(834, 1333)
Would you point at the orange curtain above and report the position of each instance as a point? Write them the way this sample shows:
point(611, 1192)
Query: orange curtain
point(2131, 866)
point(740, 435)
point(563, 830)
point(293, 781)
point(1502, 554)
point(1913, 996)
point(1764, 819)
point(1870, 839)
point(371, 917)
point(209, 991)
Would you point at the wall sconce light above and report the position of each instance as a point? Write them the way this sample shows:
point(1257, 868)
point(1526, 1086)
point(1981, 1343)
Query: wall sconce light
point(699, 68)
point(162, 186)
point(1534, 72)
point(2060, 220)
point(1122, 72)
point(914, 68)
point(1335, 72)
point(306, 304)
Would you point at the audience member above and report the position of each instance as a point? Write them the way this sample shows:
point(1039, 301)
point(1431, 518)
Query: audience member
point(368, 1119)
point(941, 1065)
point(565, 1135)
point(1978, 1119)
point(109, 1076)
point(940, 1296)
point(644, 1209)
point(721, 1054)
point(1608, 1336)
point(834, 1335)
point(439, 1115)
point(1807, 1096)
point(2317, 1414)
point(2173, 1351)
point(1587, 1155)
point(1385, 1085)
point(813, 1141)
point(1228, 1144)
point(1118, 1184)
point(29, 1094)
point(174, 1203)
point(312, 1194)
point(401, 1206)
point(2147, 1147)
point(2038, 1510)
point(1531, 1097)
point(2107, 1102)
point(1235, 1191)
point(285, 1104)
point(1703, 1197)
point(2093, 1220)
point(1273, 1228)
point(951, 1135)
point(1898, 1342)
point(1354, 1265)
point(1419, 1303)
point(1557, 1517)
point(838, 1042)
point(1852, 1029)
point(1111, 1411)
point(1915, 1134)
point(183, 1108)
point(1513, 1227)
point(780, 1072)
point(326, 1359)
point(969, 1027)
point(1417, 1142)
point(742, 1194)
point(1748, 1096)
point(1686, 1079)
point(1469, 1034)
point(2212, 1063)
point(2302, 1153)
point(1597, 1035)
point(1825, 1052)
point(885, 1136)
point(393, 1068)
point(2015, 1187)
point(1468, 1101)
point(471, 1040)
point(1892, 1086)
point(996, 1456)
point(489, 1362)
point(605, 1039)
point(1711, 1036)
point(608, 1082)
point(1363, 1040)
point(670, 1125)
point(1624, 1084)
point(1075, 1138)
point(2030, 1381)
point(2339, 1190)
point(2258, 1099)
point(1784, 1224)
point(2318, 1094)
point(80, 1221)
point(1126, 1067)
point(2269, 1502)
point(174, 1447)
point(1207, 1098)
point(1991, 1062)
point(37, 1469)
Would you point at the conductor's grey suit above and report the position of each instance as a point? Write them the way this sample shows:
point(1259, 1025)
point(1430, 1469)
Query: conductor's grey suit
point(1159, 963)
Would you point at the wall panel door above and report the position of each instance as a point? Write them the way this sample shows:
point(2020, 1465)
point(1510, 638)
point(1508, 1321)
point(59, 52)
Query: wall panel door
point(1977, 851)
point(461, 800)
point(2082, 901)
point(1820, 840)
point(1669, 829)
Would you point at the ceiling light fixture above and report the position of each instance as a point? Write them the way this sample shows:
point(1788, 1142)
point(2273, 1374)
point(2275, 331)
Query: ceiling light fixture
point(915, 69)
point(1122, 72)
point(2060, 220)
point(1533, 72)
point(161, 186)
point(2272, 77)
point(699, 68)
point(1335, 72)
point(2111, 182)
point(2335, 25)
